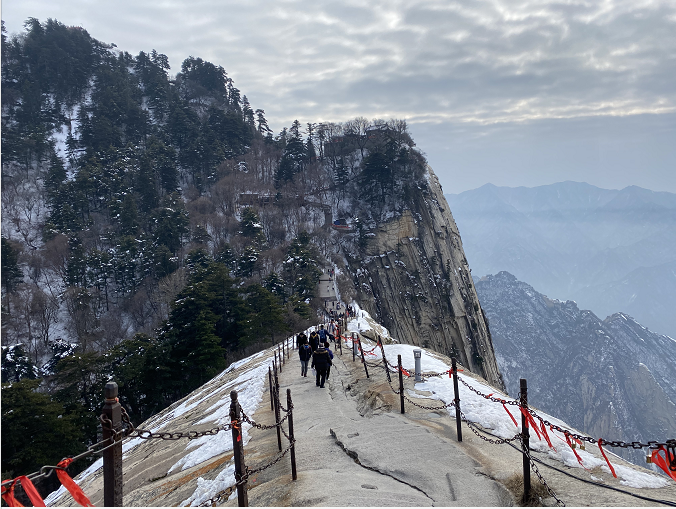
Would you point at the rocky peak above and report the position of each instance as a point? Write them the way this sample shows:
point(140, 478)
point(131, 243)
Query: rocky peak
point(603, 376)
point(416, 281)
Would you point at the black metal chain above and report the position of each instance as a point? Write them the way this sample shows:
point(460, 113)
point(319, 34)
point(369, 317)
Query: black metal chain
point(448, 405)
point(487, 396)
point(287, 410)
point(220, 496)
point(652, 444)
point(48, 470)
point(132, 432)
point(473, 427)
point(396, 391)
point(535, 469)
point(263, 426)
point(276, 460)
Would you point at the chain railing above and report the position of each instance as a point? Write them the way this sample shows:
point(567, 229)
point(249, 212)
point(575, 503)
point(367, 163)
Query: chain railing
point(115, 423)
point(530, 416)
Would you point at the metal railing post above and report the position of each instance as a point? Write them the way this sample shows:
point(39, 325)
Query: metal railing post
point(112, 457)
point(363, 360)
point(458, 420)
point(289, 405)
point(277, 413)
point(525, 434)
point(401, 383)
point(354, 347)
point(385, 365)
point(238, 451)
point(272, 392)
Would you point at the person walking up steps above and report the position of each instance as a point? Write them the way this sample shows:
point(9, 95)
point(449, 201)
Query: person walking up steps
point(321, 361)
point(305, 354)
point(301, 338)
point(314, 341)
point(328, 350)
point(322, 334)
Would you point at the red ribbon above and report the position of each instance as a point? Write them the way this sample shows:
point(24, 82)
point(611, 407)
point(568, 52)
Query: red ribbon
point(405, 372)
point(663, 463)
point(612, 470)
point(544, 432)
point(239, 428)
point(530, 421)
point(8, 496)
point(27, 485)
point(70, 485)
point(510, 414)
point(579, 460)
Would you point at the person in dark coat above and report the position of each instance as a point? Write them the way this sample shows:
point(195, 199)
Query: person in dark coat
point(322, 334)
point(328, 350)
point(314, 340)
point(301, 338)
point(321, 361)
point(305, 354)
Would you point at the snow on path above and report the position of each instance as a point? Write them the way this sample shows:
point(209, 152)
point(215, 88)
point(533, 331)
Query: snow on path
point(250, 386)
point(491, 415)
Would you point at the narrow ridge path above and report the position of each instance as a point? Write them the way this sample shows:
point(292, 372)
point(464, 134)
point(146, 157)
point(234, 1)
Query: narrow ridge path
point(379, 458)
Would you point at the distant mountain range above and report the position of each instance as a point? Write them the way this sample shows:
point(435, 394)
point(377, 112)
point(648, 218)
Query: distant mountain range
point(608, 250)
point(612, 378)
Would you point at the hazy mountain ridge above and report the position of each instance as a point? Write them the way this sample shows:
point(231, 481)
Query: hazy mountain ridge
point(609, 250)
point(610, 378)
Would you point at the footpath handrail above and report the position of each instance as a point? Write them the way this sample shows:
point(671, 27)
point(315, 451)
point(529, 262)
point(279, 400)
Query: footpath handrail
point(663, 453)
point(126, 429)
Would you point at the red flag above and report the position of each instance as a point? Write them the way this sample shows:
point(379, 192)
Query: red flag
point(612, 470)
point(579, 460)
point(70, 485)
point(663, 463)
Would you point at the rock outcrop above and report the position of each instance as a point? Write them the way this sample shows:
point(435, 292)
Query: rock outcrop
point(415, 280)
point(610, 378)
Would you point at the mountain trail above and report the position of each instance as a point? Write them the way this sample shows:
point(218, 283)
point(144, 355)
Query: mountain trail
point(372, 458)
point(353, 448)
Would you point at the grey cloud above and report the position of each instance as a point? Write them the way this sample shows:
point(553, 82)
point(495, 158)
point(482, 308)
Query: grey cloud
point(468, 68)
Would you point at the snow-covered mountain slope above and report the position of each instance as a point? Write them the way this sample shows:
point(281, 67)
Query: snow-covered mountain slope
point(354, 444)
point(609, 377)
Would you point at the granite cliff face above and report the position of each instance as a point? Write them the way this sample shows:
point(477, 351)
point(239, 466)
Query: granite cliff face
point(611, 378)
point(415, 280)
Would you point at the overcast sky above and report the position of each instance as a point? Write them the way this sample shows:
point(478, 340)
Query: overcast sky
point(512, 92)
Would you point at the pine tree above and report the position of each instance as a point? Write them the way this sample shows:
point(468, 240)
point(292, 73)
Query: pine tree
point(301, 267)
point(266, 319)
point(262, 123)
point(28, 443)
point(11, 272)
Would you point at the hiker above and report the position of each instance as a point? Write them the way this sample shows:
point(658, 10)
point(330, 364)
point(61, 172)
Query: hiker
point(321, 361)
point(301, 338)
point(314, 340)
point(332, 331)
point(328, 350)
point(305, 354)
point(322, 333)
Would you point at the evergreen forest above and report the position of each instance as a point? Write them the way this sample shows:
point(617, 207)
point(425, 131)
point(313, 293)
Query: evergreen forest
point(155, 229)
